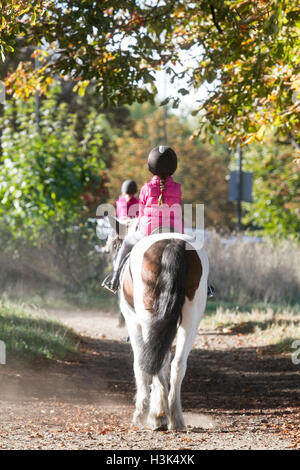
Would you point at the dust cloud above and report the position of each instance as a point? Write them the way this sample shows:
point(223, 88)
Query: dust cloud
point(198, 421)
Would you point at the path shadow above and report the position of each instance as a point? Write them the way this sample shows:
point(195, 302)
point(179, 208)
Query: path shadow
point(250, 326)
point(101, 371)
point(235, 379)
point(241, 378)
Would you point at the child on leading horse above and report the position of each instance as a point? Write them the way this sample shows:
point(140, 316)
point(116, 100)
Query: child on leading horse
point(156, 198)
point(127, 207)
point(127, 204)
point(162, 163)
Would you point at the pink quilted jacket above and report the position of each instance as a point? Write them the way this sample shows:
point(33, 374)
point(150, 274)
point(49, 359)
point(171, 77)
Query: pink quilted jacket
point(151, 215)
point(125, 209)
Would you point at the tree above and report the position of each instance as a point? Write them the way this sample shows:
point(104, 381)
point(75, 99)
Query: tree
point(16, 18)
point(245, 50)
point(49, 180)
point(276, 196)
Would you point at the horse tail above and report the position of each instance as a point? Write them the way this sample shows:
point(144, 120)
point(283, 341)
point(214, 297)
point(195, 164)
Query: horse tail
point(169, 294)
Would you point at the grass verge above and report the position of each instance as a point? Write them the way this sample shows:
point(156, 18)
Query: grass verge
point(272, 325)
point(29, 335)
point(85, 298)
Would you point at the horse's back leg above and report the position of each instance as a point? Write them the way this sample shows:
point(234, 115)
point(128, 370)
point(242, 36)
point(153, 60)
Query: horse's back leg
point(191, 316)
point(141, 412)
point(141, 378)
point(159, 409)
point(121, 322)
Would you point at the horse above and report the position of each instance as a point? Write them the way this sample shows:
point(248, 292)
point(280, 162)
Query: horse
point(162, 297)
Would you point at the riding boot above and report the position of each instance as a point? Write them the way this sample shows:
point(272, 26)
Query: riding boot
point(113, 284)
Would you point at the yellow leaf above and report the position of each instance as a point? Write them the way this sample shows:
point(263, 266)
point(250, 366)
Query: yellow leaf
point(249, 139)
point(261, 132)
point(49, 80)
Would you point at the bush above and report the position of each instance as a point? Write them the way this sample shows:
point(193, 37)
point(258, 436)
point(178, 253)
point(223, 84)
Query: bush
point(51, 181)
point(47, 173)
point(255, 272)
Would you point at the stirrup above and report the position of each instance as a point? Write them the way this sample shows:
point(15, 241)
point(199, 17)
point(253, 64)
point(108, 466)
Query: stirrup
point(210, 292)
point(106, 286)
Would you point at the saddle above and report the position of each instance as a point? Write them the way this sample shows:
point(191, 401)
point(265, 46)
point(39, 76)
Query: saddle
point(120, 226)
point(163, 229)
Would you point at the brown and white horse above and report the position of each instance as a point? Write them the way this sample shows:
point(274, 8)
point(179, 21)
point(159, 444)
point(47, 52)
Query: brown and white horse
point(163, 295)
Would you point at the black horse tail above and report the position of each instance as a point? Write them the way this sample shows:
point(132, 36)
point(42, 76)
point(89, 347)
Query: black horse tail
point(167, 308)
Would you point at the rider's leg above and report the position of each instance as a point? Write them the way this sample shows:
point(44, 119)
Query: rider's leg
point(210, 291)
point(126, 247)
point(108, 244)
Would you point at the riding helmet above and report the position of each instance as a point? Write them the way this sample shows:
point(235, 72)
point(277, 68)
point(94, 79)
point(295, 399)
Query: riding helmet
point(162, 161)
point(129, 187)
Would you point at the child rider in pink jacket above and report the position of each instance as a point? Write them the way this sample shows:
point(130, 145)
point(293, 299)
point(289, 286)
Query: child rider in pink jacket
point(127, 204)
point(159, 208)
point(127, 207)
point(156, 198)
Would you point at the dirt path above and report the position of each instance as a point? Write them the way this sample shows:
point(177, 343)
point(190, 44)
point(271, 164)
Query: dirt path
point(236, 395)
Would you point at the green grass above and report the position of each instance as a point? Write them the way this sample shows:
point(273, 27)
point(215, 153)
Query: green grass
point(86, 297)
point(237, 306)
point(29, 335)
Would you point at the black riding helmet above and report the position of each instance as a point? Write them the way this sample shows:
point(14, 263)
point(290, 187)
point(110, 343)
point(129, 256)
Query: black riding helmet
point(162, 161)
point(129, 187)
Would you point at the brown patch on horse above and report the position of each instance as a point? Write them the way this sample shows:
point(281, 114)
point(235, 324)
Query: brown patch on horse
point(128, 287)
point(151, 267)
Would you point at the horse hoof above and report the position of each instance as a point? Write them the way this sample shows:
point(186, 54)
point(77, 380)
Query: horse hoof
point(179, 427)
point(158, 423)
point(162, 427)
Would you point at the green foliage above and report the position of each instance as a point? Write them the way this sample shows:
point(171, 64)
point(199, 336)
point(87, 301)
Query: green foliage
point(276, 198)
point(14, 15)
point(47, 174)
point(250, 55)
point(247, 51)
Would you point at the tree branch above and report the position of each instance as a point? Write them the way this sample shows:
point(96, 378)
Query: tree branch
point(215, 19)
